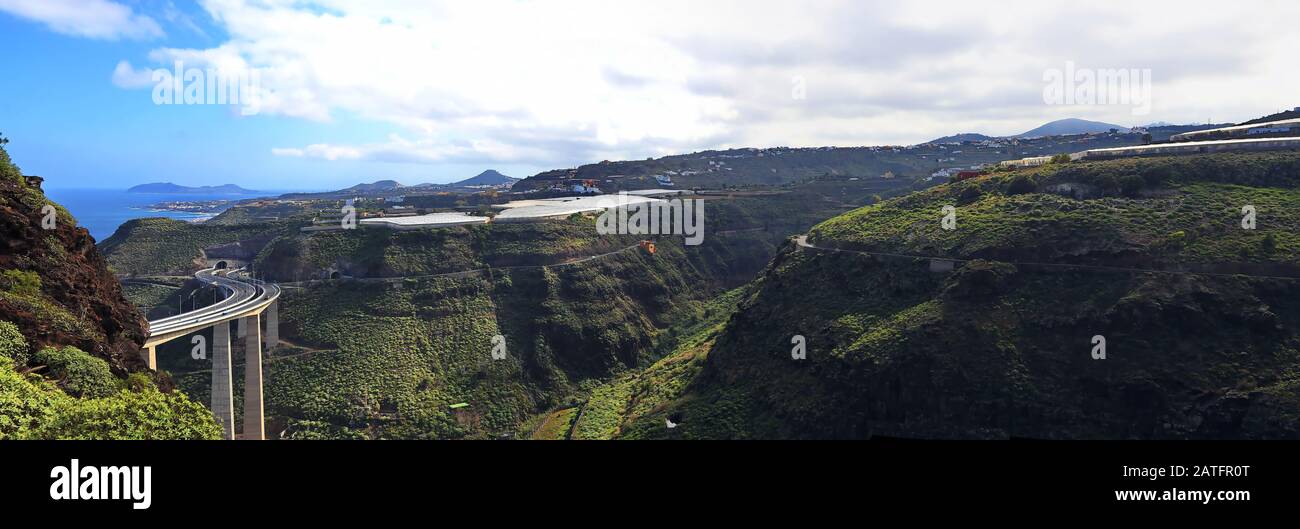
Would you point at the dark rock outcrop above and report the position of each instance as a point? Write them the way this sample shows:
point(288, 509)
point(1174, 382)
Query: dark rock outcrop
point(78, 301)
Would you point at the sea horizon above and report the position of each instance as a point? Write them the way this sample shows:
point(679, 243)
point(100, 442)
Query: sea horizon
point(103, 210)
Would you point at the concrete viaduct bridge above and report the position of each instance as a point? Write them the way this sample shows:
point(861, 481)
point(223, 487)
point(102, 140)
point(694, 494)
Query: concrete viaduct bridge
point(245, 302)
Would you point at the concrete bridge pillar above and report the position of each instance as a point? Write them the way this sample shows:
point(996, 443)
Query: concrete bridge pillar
point(272, 325)
point(223, 398)
point(254, 425)
point(241, 328)
point(150, 357)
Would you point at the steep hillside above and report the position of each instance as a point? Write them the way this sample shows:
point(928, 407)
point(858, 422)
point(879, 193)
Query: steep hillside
point(1286, 114)
point(405, 331)
point(389, 358)
point(68, 336)
point(1003, 346)
point(54, 284)
point(623, 401)
point(165, 246)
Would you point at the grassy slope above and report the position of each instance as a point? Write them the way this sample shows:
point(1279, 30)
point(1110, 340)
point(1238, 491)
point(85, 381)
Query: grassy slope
point(611, 406)
point(1168, 209)
point(395, 355)
point(165, 246)
point(995, 350)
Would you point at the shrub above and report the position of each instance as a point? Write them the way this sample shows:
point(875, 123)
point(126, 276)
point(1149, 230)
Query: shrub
point(1130, 185)
point(969, 195)
point(147, 414)
point(32, 408)
point(1269, 244)
point(1176, 240)
point(12, 343)
point(24, 404)
point(8, 170)
point(1059, 159)
point(1022, 184)
point(21, 282)
point(80, 374)
point(139, 382)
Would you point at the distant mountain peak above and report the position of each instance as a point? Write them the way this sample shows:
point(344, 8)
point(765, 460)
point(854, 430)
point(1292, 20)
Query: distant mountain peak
point(489, 177)
point(1069, 126)
point(378, 185)
point(958, 138)
point(1060, 127)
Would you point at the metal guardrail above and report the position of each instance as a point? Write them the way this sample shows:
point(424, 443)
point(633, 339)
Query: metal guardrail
point(245, 296)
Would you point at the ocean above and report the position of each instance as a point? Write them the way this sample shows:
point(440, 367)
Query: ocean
point(102, 210)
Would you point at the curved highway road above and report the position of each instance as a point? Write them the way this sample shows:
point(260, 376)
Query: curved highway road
point(246, 300)
point(244, 297)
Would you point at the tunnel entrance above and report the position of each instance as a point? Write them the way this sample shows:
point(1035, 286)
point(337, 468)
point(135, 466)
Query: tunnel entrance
point(334, 275)
point(221, 265)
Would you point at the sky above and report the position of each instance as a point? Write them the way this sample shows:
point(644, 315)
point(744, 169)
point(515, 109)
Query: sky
point(350, 91)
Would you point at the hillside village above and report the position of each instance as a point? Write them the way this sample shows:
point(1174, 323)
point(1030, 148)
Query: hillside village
point(920, 165)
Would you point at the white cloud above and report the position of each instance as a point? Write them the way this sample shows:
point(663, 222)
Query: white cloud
point(322, 151)
point(560, 83)
point(288, 151)
point(126, 76)
point(98, 19)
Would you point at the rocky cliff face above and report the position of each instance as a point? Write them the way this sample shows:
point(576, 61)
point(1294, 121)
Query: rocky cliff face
point(54, 284)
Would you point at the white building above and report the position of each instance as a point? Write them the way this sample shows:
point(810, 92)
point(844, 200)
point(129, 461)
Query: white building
point(1027, 162)
point(1238, 130)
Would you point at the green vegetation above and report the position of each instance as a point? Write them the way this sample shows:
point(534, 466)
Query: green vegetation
point(21, 282)
point(55, 317)
point(81, 399)
point(146, 296)
point(78, 373)
point(395, 358)
point(13, 345)
point(640, 395)
point(997, 349)
point(552, 426)
point(145, 414)
point(1094, 213)
point(388, 358)
point(57, 297)
point(165, 246)
point(8, 171)
point(84, 401)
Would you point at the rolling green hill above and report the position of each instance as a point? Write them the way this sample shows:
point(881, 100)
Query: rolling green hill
point(1004, 345)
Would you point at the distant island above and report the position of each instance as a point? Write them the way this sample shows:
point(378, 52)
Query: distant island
point(168, 188)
